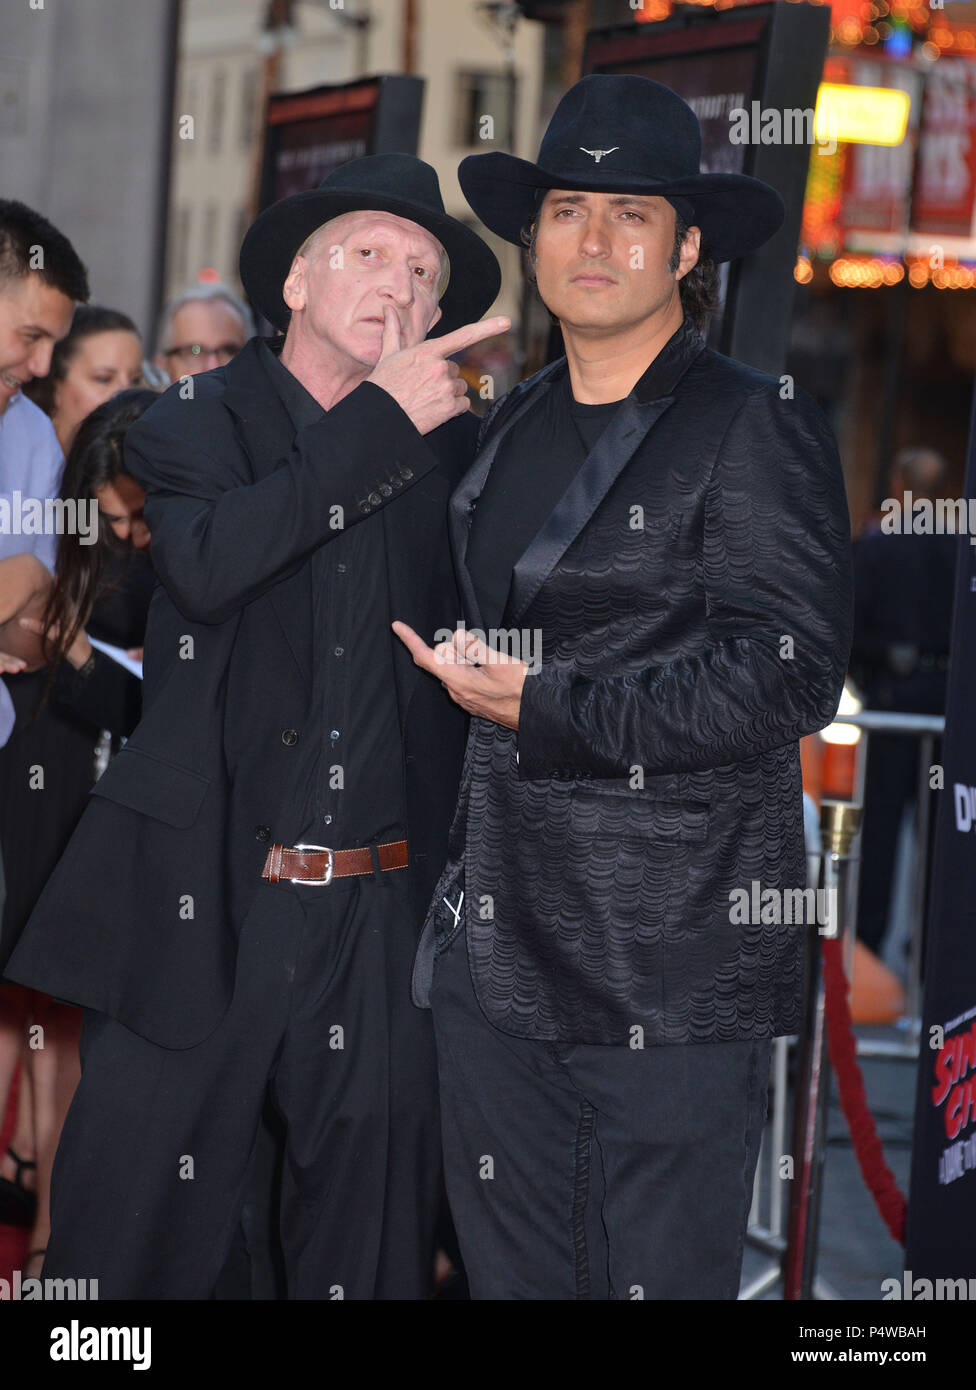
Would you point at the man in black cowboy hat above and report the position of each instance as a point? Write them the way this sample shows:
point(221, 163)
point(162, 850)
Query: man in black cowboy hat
point(240, 904)
point(671, 526)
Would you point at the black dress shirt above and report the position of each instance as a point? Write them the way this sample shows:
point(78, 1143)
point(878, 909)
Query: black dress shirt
point(352, 787)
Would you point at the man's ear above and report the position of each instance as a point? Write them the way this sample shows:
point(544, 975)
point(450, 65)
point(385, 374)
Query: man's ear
point(293, 290)
point(690, 251)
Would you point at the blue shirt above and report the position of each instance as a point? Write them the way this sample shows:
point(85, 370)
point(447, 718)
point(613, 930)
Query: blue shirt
point(31, 463)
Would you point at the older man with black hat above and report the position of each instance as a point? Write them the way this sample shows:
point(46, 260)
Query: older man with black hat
point(240, 904)
point(671, 526)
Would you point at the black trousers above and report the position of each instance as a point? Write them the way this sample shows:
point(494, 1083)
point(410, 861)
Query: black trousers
point(584, 1172)
point(152, 1171)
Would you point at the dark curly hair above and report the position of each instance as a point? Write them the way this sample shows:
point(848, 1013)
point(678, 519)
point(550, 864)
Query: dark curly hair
point(699, 289)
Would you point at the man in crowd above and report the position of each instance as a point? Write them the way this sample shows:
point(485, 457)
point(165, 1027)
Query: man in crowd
point(202, 328)
point(903, 592)
point(240, 904)
point(41, 281)
point(668, 530)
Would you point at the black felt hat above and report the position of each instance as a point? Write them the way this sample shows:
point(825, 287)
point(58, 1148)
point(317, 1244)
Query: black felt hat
point(399, 184)
point(624, 134)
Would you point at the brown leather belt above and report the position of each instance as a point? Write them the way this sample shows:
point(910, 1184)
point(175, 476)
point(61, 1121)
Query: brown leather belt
point(319, 864)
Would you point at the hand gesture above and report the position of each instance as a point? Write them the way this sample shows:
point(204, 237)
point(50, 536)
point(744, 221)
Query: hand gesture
point(420, 379)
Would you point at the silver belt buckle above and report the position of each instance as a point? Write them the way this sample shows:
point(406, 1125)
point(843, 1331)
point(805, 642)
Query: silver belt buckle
point(328, 873)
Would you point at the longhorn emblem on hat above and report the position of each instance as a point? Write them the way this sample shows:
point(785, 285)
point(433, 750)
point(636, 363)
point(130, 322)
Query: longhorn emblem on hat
point(657, 154)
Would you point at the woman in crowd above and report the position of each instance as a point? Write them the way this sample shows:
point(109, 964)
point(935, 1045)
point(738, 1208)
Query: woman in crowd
point(101, 355)
point(102, 589)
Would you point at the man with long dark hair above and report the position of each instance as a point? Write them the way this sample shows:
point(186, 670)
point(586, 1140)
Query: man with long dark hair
point(663, 532)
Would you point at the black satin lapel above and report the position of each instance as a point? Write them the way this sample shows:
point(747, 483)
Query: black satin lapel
point(610, 455)
point(410, 522)
point(463, 501)
point(460, 509)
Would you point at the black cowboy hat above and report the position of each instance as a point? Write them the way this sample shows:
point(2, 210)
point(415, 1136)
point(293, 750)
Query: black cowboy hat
point(624, 134)
point(399, 184)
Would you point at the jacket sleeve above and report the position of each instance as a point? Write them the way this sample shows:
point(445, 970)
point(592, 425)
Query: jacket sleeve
point(778, 594)
point(219, 539)
point(109, 697)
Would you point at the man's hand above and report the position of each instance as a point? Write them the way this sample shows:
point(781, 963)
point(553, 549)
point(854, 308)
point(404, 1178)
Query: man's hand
point(482, 681)
point(420, 379)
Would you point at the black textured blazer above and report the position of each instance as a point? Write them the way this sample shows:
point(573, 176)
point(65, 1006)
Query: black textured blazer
point(692, 593)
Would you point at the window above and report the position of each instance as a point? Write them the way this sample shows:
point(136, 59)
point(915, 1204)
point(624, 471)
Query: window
point(208, 249)
point(485, 110)
point(191, 108)
point(249, 105)
point(218, 102)
point(180, 247)
point(239, 226)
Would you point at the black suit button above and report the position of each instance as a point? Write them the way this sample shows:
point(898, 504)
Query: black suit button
point(386, 490)
point(262, 832)
point(374, 499)
point(406, 473)
point(289, 737)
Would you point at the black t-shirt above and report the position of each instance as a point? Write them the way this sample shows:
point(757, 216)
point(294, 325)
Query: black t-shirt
point(534, 466)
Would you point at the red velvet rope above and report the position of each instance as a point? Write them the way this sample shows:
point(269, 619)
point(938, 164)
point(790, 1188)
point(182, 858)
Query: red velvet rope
point(853, 1099)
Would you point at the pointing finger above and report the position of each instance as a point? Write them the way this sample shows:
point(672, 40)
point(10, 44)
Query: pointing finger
point(416, 646)
point(469, 334)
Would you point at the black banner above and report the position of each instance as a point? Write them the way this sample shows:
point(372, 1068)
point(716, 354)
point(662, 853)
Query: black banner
point(941, 1244)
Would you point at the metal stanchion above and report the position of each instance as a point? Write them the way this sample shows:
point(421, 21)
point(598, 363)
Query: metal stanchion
point(837, 868)
point(926, 728)
point(839, 824)
point(771, 1239)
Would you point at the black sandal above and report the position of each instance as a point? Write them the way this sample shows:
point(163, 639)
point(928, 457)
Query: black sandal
point(18, 1206)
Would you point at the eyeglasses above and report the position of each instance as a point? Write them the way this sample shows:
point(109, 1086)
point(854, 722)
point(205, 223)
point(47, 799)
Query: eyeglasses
point(192, 352)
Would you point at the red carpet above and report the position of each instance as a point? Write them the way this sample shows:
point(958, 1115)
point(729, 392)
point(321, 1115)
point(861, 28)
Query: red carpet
point(13, 1240)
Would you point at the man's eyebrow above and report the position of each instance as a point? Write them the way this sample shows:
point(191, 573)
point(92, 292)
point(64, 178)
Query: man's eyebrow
point(616, 199)
point(36, 328)
point(376, 233)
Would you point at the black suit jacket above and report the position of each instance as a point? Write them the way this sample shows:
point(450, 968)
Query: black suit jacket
point(692, 594)
point(140, 920)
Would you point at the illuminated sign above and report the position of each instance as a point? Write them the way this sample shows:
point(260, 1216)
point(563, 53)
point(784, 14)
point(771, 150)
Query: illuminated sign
point(861, 115)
